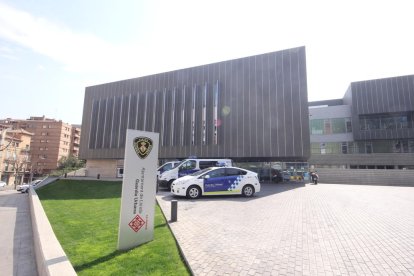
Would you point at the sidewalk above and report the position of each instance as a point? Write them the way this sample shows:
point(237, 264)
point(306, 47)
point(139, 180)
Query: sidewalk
point(16, 235)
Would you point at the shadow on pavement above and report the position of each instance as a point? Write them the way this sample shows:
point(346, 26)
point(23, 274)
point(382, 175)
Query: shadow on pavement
point(266, 189)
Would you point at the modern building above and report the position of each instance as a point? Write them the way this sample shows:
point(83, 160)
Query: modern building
point(51, 141)
point(14, 155)
point(370, 128)
point(253, 110)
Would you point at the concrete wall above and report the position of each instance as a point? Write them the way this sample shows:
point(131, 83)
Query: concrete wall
point(104, 167)
point(367, 177)
point(50, 257)
point(363, 159)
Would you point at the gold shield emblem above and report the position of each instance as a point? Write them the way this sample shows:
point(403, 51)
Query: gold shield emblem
point(142, 146)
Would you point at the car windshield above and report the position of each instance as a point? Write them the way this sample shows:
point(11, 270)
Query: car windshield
point(201, 172)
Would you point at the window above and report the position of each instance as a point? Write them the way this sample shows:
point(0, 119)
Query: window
point(327, 128)
point(207, 164)
point(344, 147)
point(233, 171)
point(217, 173)
point(348, 124)
point(338, 125)
point(189, 165)
point(316, 126)
point(368, 147)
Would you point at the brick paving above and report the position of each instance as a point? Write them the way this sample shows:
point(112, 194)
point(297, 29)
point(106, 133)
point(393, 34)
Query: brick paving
point(297, 229)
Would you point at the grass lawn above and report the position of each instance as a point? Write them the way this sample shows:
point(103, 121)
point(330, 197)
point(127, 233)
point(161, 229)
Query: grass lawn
point(85, 216)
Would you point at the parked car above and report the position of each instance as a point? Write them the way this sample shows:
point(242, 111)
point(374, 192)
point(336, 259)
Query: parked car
point(25, 187)
point(166, 167)
point(217, 181)
point(3, 184)
point(187, 167)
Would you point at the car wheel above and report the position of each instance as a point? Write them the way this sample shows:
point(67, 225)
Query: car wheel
point(169, 184)
point(248, 191)
point(193, 192)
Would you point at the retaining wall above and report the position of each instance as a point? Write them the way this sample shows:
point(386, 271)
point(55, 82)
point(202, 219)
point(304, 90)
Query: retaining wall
point(365, 176)
point(51, 260)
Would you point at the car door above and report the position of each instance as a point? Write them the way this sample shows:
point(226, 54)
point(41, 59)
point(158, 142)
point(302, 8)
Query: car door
point(187, 168)
point(214, 181)
point(234, 179)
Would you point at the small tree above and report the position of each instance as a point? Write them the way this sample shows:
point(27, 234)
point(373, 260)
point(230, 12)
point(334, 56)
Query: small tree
point(70, 163)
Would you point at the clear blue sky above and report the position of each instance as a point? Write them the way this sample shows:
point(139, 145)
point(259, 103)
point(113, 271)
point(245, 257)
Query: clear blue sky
point(51, 50)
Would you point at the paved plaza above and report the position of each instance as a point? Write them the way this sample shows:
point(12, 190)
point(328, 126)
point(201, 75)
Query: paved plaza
point(16, 236)
point(298, 229)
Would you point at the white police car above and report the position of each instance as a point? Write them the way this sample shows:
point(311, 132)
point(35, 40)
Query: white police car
point(217, 181)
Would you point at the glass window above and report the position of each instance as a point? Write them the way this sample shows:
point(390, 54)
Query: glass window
point(348, 124)
point(217, 173)
point(368, 147)
point(207, 164)
point(344, 147)
point(316, 126)
point(327, 128)
point(338, 125)
point(233, 171)
point(373, 123)
point(189, 165)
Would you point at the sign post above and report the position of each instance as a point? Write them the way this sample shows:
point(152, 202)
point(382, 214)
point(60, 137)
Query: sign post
point(136, 224)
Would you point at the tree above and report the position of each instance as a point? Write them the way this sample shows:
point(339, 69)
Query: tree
point(70, 162)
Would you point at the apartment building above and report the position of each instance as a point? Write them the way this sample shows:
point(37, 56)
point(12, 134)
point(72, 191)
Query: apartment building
point(14, 155)
point(52, 140)
point(75, 140)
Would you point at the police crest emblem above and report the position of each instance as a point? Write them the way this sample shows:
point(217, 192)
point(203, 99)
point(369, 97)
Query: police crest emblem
point(142, 146)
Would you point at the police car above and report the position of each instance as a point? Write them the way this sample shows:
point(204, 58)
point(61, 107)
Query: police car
point(217, 181)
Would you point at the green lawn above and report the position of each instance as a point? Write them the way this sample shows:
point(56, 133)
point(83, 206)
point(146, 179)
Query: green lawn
point(85, 217)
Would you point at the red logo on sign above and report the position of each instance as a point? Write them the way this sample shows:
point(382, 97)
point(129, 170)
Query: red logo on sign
point(136, 223)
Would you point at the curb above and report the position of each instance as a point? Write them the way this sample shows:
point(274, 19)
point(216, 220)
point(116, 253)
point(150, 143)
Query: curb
point(175, 238)
point(50, 258)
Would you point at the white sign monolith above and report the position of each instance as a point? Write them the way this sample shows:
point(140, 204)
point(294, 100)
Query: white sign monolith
point(136, 224)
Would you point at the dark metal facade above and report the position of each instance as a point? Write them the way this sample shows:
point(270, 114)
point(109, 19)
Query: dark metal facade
point(382, 97)
point(252, 109)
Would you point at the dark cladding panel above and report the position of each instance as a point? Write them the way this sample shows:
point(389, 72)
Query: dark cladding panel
point(167, 119)
point(409, 92)
point(280, 112)
point(132, 111)
point(108, 123)
point(297, 149)
point(209, 114)
point(252, 108)
point(94, 124)
point(288, 103)
point(154, 114)
point(141, 99)
point(222, 110)
point(116, 122)
point(303, 100)
point(124, 121)
point(273, 105)
point(187, 115)
point(198, 111)
point(178, 125)
point(101, 124)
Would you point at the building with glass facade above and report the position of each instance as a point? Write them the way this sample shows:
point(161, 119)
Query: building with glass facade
point(372, 127)
point(253, 110)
